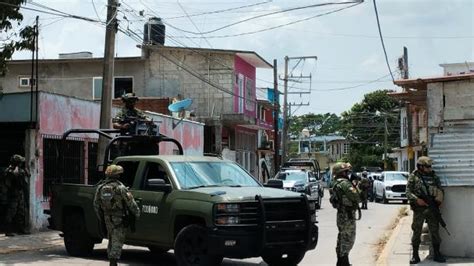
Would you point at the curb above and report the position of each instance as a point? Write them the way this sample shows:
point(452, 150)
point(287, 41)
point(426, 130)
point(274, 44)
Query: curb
point(28, 243)
point(384, 255)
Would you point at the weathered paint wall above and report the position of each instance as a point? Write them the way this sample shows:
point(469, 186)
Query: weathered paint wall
point(458, 212)
point(59, 113)
point(434, 104)
point(249, 72)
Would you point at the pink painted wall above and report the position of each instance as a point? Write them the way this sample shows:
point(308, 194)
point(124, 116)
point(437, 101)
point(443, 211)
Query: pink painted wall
point(59, 113)
point(249, 72)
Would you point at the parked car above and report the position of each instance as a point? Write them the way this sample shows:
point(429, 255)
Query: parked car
point(310, 165)
point(300, 180)
point(391, 185)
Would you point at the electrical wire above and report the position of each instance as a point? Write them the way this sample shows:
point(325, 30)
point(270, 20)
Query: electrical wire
point(356, 86)
point(381, 40)
point(265, 15)
point(192, 22)
point(220, 10)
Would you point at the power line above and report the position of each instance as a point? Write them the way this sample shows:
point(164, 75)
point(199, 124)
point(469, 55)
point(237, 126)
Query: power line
point(356, 86)
point(266, 15)
point(381, 40)
point(221, 10)
point(192, 22)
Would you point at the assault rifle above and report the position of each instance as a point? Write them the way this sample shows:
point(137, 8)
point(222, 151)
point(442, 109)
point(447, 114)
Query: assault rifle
point(433, 206)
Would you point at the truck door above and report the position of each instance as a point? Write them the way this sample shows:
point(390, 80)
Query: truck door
point(151, 225)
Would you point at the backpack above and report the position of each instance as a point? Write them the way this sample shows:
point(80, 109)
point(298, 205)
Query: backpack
point(334, 198)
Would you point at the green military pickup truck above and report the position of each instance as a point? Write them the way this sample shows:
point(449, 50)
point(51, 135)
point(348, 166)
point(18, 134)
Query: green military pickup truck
point(204, 208)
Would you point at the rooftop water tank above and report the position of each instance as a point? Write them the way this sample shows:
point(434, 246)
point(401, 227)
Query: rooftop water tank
point(154, 32)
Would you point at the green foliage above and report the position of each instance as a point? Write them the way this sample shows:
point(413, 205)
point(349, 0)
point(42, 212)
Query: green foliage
point(317, 124)
point(13, 37)
point(365, 125)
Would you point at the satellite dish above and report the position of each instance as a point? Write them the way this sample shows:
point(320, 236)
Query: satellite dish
point(180, 105)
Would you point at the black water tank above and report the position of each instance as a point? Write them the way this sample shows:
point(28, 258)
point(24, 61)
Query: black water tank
point(154, 32)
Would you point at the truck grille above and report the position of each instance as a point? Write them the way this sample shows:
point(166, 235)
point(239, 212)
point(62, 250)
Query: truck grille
point(399, 188)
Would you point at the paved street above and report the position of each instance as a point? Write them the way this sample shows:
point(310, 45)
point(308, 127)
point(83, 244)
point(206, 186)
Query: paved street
point(373, 225)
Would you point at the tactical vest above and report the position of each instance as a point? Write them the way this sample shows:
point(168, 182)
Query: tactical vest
point(111, 201)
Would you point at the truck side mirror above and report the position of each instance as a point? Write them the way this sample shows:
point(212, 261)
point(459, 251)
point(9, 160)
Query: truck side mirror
point(158, 185)
point(274, 183)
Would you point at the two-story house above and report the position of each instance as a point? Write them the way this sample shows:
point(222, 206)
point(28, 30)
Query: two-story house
point(221, 84)
point(439, 116)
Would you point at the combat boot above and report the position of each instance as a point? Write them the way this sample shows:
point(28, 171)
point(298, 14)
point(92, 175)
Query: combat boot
point(415, 259)
point(438, 257)
point(113, 262)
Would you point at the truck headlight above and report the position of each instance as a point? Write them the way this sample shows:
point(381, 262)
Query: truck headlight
point(227, 208)
point(226, 220)
point(388, 188)
point(299, 188)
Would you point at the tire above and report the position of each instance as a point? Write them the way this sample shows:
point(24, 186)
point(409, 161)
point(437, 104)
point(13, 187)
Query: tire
point(384, 198)
point(318, 204)
point(280, 258)
point(191, 248)
point(77, 241)
point(157, 250)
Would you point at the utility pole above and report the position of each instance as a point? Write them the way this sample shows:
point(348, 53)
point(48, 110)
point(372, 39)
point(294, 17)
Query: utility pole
point(284, 134)
point(276, 109)
point(385, 143)
point(286, 114)
point(108, 75)
point(405, 63)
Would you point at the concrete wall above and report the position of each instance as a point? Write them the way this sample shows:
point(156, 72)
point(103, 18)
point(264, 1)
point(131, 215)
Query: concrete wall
point(459, 100)
point(434, 104)
point(72, 79)
point(458, 212)
point(164, 79)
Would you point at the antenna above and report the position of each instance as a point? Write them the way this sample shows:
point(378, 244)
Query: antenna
point(180, 108)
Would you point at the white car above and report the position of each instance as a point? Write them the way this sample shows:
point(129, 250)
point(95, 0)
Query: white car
point(391, 185)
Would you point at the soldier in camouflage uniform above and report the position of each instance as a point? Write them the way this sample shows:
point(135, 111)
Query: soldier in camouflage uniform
point(16, 186)
point(364, 186)
point(112, 202)
point(424, 183)
point(126, 118)
point(347, 203)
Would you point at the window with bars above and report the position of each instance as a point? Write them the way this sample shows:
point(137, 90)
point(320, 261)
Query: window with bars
point(67, 162)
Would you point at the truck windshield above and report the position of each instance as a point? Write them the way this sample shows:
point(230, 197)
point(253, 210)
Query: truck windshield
point(396, 177)
point(208, 174)
point(292, 176)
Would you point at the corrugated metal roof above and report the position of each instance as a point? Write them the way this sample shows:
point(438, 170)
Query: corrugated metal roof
point(453, 155)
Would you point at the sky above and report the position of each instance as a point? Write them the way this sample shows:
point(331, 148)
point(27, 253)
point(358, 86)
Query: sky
point(350, 59)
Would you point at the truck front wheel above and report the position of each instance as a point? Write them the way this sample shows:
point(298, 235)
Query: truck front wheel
point(280, 258)
point(76, 238)
point(191, 248)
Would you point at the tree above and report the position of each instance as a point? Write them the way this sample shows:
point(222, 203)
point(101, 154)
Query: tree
point(364, 127)
point(317, 124)
point(13, 37)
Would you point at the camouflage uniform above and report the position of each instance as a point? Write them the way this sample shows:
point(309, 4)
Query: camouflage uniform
point(364, 185)
point(348, 202)
point(112, 201)
point(128, 113)
point(416, 189)
point(16, 186)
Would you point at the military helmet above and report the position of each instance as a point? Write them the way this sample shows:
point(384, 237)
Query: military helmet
point(17, 159)
point(129, 97)
point(424, 160)
point(113, 170)
point(348, 165)
point(339, 168)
